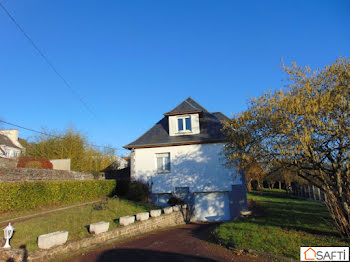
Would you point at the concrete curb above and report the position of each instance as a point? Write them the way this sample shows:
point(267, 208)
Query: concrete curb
point(137, 228)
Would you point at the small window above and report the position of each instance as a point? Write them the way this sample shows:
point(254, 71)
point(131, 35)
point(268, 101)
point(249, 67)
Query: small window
point(180, 124)
point(188, 123)
point(184, 124)
point(163, 162)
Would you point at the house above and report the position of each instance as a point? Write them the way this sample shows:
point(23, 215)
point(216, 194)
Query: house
point(9, 145)
point(181, 155)
point(119, 169)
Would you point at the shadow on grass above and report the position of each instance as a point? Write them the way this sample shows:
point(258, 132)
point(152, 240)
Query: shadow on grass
point(204, 231)
point(289, 214)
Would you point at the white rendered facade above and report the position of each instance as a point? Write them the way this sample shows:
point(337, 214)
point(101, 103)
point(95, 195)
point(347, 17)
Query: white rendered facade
point(199, 167)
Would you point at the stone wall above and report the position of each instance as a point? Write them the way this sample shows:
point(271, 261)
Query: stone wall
point(32, 174)
point(8, 163)
point(154, 223)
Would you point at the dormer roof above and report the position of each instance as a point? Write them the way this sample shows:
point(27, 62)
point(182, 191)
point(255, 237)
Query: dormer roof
point(189, 106)
point(158, 135)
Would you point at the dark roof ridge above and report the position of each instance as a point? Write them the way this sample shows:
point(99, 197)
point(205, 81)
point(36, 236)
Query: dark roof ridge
point(186, 107)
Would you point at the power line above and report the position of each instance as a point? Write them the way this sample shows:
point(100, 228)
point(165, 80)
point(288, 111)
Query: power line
point(54, 136)
point(47, 60)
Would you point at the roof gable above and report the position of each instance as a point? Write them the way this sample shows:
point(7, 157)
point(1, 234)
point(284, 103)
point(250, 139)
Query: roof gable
point(186, 107)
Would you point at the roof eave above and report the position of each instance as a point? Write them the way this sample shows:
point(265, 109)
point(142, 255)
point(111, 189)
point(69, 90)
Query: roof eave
point(174, 144)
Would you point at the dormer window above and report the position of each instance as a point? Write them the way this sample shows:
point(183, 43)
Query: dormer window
point(184, 124)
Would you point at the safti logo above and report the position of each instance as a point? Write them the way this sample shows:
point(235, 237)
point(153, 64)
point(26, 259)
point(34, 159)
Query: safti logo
point(310, 254)
point(324, 253)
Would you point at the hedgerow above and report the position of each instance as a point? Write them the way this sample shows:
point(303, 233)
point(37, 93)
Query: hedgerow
point(29, 195)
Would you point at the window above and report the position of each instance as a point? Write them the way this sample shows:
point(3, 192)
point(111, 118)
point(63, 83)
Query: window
point(184, 124)
point(188, 123)
point(180, 124)
point(163, 162)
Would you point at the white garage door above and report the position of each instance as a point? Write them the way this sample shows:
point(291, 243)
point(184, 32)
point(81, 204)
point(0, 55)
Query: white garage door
point(212, 206)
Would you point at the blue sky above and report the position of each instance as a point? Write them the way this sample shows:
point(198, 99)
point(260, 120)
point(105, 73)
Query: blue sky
point(132, 61)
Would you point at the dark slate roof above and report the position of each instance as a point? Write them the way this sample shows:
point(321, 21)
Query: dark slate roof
point(4, 140)
point(158, 135)
point(186, 107)
point(221, 116)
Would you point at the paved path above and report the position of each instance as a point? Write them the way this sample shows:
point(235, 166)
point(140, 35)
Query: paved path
point(183, 243)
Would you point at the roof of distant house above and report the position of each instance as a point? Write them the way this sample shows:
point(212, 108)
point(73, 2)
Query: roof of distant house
point(210, 128)
point(4, 140)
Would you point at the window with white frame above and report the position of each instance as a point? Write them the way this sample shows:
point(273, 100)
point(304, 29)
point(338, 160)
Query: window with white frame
point(184, 124)
point(163, 162)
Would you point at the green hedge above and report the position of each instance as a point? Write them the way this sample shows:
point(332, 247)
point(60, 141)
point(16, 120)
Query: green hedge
point(29, 195)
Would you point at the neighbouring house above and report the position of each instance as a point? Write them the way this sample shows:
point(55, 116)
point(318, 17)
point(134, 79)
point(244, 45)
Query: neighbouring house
point(181, 155)
point(119, 169)
point(9, 145)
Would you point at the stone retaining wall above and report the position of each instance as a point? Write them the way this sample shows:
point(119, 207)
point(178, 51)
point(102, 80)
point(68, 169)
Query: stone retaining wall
point(163, 221)
point(32, 174)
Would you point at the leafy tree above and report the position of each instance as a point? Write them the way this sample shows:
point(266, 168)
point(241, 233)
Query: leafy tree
point(71, 144)
point(304, 128)
point(254, 172)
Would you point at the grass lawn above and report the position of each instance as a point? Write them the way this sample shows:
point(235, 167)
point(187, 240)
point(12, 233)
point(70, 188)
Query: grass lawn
point(75, 221)
point(22, 213)
point(284, 226)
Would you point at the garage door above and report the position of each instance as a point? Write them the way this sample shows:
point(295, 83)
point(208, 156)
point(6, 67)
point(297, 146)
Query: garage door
point(212, 206)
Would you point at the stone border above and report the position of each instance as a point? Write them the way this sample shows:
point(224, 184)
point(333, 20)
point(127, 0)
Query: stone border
point(137, 228)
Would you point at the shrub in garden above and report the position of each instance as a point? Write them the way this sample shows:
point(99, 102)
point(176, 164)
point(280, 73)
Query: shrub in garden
point(28, 162)
point(138, 192)
point(123, 187)
point(29, 195)
point(33, 164)
point(173, 201)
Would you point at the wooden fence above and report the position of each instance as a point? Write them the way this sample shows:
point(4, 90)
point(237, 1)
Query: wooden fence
point(308, 192)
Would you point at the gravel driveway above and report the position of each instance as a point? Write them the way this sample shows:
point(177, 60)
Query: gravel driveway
point(183, 243)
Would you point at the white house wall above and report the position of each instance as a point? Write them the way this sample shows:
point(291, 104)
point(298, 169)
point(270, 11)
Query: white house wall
point(212, 206)
point(9, 152)
point(199, 167)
